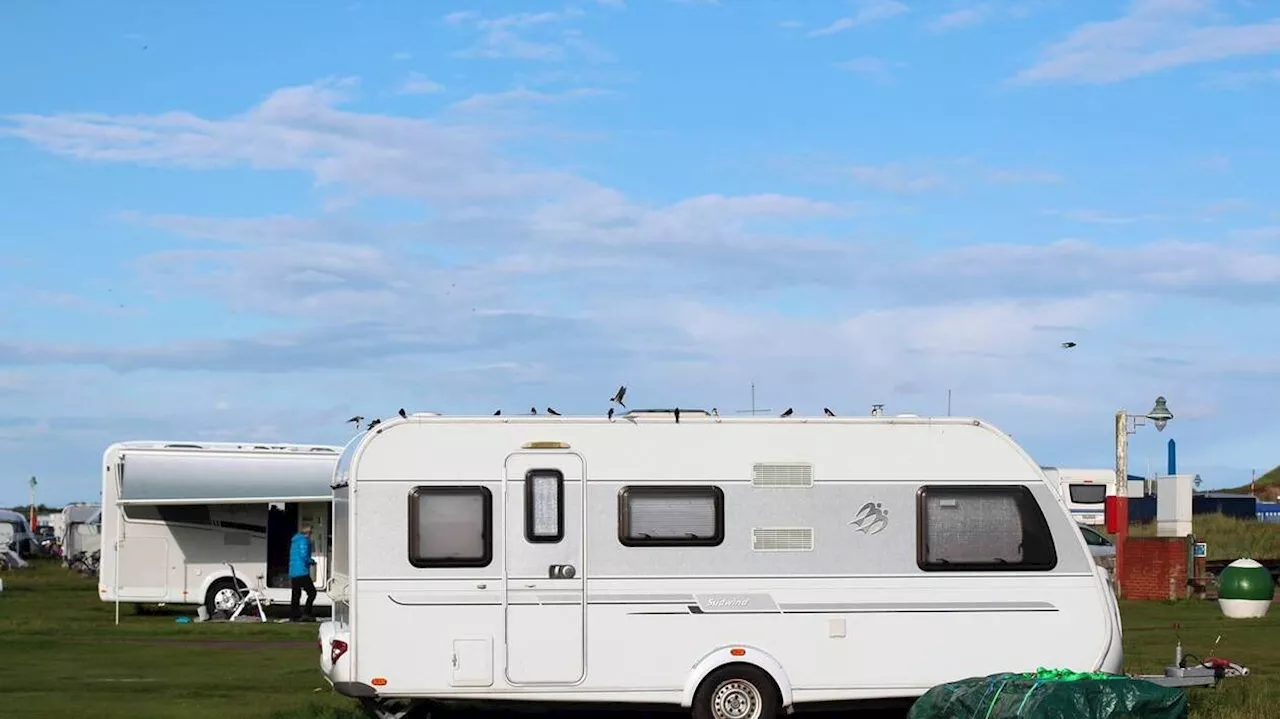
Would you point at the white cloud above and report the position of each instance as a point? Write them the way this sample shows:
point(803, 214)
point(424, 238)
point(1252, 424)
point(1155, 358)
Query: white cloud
point(522, 95)
point(419, 84)
point(1151, 36)
point(962, 18)
point(872, 67)
point(866, 13)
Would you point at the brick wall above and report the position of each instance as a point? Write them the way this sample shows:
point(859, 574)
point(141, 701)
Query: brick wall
point(1150, 563)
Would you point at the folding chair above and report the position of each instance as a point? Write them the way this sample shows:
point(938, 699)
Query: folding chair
point(255, 595)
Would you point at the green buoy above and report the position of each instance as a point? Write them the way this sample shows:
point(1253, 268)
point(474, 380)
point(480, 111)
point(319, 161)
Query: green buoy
point(1245, 590)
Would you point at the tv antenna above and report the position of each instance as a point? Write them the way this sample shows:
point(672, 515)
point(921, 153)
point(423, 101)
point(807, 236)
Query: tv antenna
point(753, 411)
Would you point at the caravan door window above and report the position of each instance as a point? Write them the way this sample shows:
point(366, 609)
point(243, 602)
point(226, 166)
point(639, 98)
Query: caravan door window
point(450, 527)
point(982, 528)
point(672, 516)
point(544, 505)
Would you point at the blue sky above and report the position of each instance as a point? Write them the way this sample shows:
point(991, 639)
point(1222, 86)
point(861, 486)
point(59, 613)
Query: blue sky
point(244, 222)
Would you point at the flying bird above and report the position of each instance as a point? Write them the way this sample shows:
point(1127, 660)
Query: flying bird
point(828, 412)
point(786, 413)
point(617, 397)
point(1068, 345)
point(402, 413)
point(610, 414)
point(552, 411)
point(356, 420)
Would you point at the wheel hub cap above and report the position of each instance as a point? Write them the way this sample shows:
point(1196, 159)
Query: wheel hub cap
point(224, 599)
point(736, 699)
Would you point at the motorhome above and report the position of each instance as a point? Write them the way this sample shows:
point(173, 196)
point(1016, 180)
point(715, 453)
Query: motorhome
point(177, 517)
point(1084, 491)
point(82, 530)
point(675, 557)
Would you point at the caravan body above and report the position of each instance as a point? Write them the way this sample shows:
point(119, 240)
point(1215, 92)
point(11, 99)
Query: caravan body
point(16, 534)
point(1084, 491)
point(175, 514)
point(82, 530)
point(648, 560)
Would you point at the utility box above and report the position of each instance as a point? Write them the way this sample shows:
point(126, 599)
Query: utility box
point(1173, 505)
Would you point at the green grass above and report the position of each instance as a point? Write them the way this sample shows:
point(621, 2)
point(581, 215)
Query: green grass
point(64, 656)
point(1266, 480)
point(1228, 537)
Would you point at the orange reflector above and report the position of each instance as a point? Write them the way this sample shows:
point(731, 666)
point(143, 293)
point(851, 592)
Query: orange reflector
point(378, 682)
point(737, 651)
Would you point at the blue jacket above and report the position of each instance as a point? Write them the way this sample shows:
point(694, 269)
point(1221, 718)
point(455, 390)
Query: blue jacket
point(300, 560)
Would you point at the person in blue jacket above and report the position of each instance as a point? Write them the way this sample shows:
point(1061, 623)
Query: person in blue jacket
point(300, 563)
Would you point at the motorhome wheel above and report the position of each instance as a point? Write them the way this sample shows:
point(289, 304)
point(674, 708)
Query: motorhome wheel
point(222, 596)
point(736, 691)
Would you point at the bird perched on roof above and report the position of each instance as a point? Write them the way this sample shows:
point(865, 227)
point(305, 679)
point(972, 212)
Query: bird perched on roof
point(617, 397)
point(498, 412)
point(402, 413)
point(552, 411)
point(787, 413)
point(828, 412)
point(677, 413)
point(533, 410)
point(374, 423)
point(610, 415)
point(1068, 345)
point(356, 420)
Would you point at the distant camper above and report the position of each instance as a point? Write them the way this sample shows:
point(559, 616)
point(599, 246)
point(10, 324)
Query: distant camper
point(744, 562)
point(175, 514)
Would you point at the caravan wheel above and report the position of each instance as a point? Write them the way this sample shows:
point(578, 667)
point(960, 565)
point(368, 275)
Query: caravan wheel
point(222, 596)
point(736, 691)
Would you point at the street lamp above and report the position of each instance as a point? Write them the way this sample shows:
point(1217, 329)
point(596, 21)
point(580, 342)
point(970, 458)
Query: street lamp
point(1127, 424)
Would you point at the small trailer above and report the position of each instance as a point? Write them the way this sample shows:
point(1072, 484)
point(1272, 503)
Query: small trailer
point(1084, 491)
point(176, 514)
point(737, 567)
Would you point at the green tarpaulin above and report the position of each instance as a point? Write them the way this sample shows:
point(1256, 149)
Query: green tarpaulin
point(1051, 694)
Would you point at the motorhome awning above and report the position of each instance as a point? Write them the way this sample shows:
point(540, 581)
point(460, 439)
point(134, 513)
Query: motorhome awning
point(153, 477)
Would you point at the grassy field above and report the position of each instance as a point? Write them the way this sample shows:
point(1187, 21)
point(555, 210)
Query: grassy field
point(64, 657)
point(1228, 537)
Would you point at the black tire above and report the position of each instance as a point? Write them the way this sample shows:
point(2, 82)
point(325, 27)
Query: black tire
point(740, 687)
point(221, 585)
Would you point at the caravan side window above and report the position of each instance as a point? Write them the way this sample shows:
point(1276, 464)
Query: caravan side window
point(544, 505)
point(671, 516)
point(450, 527)
point(982, 528)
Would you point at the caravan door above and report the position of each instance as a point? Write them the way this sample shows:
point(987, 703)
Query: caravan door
point(544, 586)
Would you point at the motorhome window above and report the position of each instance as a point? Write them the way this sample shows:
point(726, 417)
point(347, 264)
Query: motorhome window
point(544, 505)
point(988, 528)
point(1088, 493)
point(450, 527)
point(672, 516)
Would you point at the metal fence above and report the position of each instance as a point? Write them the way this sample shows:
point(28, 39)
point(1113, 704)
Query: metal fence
point(1269, 512)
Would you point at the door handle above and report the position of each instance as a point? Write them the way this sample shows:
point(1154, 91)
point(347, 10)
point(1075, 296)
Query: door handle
point(561, 571)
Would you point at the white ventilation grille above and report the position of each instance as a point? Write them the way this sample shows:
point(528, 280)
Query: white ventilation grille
point(782, 539)
point(779, 474)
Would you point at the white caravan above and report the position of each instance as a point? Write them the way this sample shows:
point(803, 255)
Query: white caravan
point(82, 530)
point(175, 514)
point(735, 566)
point(1084, 491)
point(15, 534)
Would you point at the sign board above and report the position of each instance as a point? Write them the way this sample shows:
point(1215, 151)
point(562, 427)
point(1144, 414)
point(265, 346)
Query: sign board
point(1201, 550)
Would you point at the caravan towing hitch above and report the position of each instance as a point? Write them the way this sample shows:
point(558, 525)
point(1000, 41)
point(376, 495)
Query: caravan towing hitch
point(1205, 672)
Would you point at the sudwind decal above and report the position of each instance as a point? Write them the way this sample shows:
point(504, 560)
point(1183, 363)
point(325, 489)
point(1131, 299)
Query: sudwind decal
point(872, 518)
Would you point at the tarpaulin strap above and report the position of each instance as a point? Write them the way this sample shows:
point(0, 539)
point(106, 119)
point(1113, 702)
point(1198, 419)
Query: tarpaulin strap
point(991, 707)
point(1027, 696)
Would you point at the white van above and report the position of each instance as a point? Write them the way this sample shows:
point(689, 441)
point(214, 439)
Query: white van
point(719, 564)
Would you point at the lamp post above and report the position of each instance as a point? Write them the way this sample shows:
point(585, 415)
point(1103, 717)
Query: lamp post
point(1127, 424)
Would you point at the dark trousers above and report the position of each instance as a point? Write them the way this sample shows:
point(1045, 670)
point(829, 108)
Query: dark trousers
point(300, 585)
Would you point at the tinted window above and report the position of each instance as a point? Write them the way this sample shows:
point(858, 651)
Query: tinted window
point(1088, 493)
point(450, 527)
point(982, 528)
point(671, 516)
